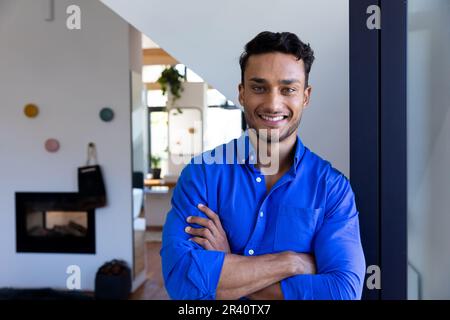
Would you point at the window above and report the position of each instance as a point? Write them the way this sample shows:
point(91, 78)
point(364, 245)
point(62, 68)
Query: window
point(158, 131)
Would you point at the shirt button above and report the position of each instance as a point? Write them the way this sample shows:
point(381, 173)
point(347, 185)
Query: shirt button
point(258, 179)
point(261, 214)
point(251, 252)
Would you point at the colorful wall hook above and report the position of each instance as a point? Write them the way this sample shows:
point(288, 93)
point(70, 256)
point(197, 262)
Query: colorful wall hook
point(107, 114)
point(31, 110)
point(52, 145)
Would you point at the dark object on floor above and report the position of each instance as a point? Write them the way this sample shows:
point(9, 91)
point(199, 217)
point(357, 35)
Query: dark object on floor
point(41, 294)
point(113, 281)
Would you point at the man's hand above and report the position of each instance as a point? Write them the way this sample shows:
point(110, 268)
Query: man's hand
point(303, 264)
point(212, 236)
point(309, 263)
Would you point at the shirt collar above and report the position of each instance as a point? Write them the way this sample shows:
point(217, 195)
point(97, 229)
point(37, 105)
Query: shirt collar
point(299, 151)
point(247, 154)
point(245, 149)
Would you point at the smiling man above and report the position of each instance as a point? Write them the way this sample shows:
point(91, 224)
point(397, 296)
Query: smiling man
point(240, 229)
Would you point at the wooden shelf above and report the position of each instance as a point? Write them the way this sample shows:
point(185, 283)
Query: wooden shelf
point(158, 183)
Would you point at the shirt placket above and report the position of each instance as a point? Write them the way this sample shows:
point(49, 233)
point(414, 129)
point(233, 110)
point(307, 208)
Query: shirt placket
point(256, 238)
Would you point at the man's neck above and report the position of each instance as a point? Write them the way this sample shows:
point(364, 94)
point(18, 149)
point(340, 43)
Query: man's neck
point(280, 152)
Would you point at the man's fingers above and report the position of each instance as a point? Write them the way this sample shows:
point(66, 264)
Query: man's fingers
point(207, 223)
point(209, 213)
point(203, 242)
point(212, 215)
point(204, 222)
point(201, 232)
point(212, 236)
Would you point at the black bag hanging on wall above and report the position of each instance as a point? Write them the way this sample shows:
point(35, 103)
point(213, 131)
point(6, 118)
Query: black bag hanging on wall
point(91, 186)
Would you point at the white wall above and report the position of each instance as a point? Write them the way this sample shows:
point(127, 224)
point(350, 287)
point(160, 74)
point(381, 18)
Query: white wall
point(71, 75)
point(428, 146)
point(209, 36)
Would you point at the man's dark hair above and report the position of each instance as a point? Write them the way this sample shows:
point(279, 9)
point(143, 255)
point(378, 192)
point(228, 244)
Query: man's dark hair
point(284, 42)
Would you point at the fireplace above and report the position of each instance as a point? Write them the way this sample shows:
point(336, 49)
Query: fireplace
point(54, 223)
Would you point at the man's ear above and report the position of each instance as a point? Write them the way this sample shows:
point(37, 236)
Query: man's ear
point(307, 96)
point(241, 94)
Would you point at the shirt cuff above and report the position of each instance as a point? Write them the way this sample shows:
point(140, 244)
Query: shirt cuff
point(205, 271)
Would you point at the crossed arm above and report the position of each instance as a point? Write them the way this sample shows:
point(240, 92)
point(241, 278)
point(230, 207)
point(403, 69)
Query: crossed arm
point(204, 268)
point(253, 277)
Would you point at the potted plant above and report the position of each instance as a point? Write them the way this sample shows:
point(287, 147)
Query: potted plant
point(156, 166)
point(172, 80)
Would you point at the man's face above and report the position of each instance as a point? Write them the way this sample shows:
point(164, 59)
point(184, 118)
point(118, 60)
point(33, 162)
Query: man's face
point(273, 94)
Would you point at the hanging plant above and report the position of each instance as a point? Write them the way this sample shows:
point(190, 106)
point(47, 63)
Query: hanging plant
point(172, 80)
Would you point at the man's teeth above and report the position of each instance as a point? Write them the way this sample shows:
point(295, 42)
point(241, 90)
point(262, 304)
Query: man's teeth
point(279, 118)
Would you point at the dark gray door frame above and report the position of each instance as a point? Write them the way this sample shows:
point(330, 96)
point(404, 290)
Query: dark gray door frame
point(378, 140)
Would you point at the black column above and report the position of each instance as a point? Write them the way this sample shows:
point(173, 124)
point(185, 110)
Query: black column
point(393, 149)
point(365, 131)
point(378, 140)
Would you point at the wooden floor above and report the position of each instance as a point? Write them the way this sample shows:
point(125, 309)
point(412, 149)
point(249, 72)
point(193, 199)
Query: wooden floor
point(153, 288)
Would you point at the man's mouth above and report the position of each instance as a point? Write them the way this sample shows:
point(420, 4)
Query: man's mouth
point(273, 120)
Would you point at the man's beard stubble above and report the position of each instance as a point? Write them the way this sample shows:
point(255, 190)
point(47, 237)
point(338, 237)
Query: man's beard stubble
point(268, 138)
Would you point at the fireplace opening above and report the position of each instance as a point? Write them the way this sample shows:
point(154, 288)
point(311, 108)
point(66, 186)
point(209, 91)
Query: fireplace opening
point(54, 223)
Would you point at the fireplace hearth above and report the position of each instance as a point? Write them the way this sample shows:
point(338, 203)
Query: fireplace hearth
point(54, 223)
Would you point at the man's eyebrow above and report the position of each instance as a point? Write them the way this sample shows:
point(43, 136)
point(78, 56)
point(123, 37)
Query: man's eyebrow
point(283, 82)
point(258, 80)
point(288, 81)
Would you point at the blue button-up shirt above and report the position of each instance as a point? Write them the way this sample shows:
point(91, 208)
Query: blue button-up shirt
point(311, 209)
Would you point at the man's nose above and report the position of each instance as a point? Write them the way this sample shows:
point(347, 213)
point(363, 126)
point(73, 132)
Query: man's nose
point(274, 102)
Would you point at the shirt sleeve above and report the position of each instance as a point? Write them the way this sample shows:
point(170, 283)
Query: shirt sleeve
point(338, 252)
point(189, 271)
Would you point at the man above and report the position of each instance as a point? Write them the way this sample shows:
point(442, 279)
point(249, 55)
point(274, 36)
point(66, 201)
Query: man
point(242, 230)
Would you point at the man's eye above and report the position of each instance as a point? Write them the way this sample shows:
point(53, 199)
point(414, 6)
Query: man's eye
point(288, 90)
point(258, 89)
